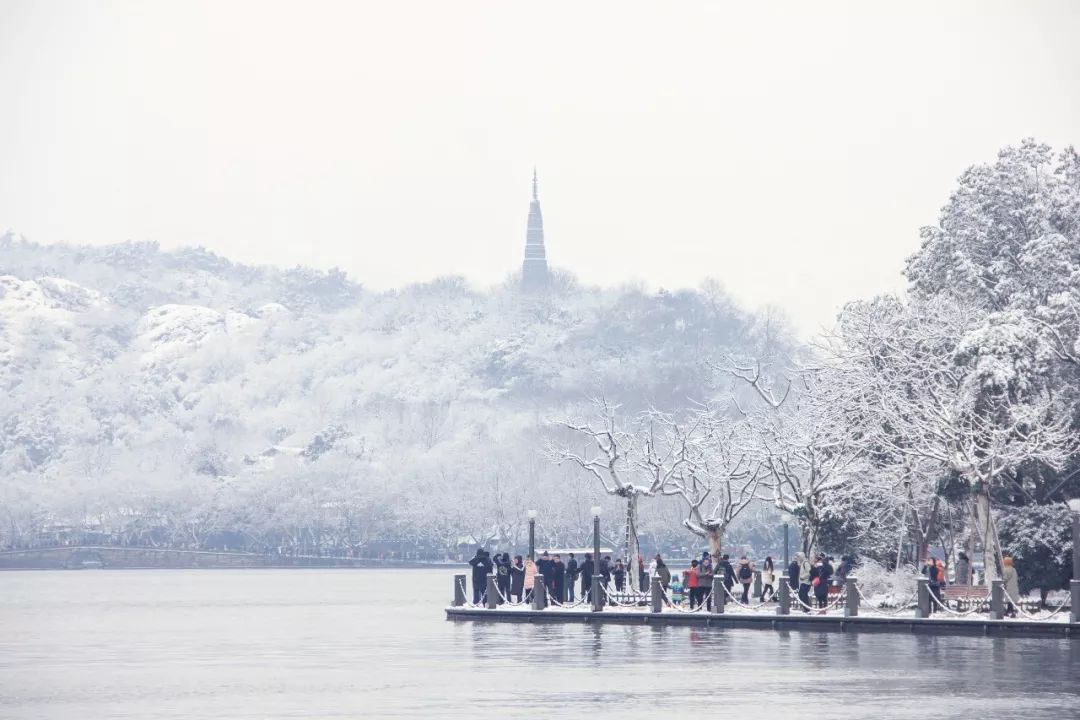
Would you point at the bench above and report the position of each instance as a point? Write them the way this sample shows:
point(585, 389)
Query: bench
point(965, 597)
point(626, 597)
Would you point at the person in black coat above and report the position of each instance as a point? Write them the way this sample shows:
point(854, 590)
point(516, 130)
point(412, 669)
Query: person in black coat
point(847, 562)
point(605, 575)
point(481, 568)
point(572, 570)
point(619, 573)
point(822, 571)
point(502, 576)
point(517, 578)
point(558, 579)
point(543, 567)
point(586, 571)
point(729, 572)
point(793, 575)
point(930, 570)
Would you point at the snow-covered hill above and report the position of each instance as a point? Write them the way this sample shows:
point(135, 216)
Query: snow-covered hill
point(182, 397)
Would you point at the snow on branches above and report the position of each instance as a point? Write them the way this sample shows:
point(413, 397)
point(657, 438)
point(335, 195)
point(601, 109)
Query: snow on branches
point(699, 456)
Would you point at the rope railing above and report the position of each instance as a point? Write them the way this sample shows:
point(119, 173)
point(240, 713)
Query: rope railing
point(507, 600)
point(566, 605)
point(1009, 598)
point(610, 594)
point(465, 594)
point(977, 605)
point(741, 604)
point(671, 602)
point(903, 607)
point(828, 606)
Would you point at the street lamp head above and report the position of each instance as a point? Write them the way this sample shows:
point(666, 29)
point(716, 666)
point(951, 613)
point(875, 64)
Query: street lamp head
point(596, 511)
point(1074, 505)
point(532, 514)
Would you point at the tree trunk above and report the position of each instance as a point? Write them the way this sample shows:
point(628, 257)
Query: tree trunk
point(807, 539)
point(632, 549)
point(900, 541)
point(923, 533)
point(715, 537)
point(984, 526)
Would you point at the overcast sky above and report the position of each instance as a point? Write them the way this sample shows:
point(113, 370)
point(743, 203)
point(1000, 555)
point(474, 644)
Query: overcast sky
point(789, 149)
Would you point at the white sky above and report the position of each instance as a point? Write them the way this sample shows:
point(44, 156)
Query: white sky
point(789, 149)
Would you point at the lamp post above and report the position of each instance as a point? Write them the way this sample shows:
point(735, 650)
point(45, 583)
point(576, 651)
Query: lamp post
point(532, 535)
point(597, 595)
point(1074, 584)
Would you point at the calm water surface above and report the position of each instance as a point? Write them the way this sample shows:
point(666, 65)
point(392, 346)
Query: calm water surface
point(374, 643)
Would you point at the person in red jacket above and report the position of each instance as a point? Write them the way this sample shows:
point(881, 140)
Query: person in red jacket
point(690, 582)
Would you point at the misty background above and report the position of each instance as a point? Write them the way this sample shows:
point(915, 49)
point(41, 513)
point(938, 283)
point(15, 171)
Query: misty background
point(789, 150)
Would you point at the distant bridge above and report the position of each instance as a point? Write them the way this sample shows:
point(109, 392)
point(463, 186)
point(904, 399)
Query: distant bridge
point(105, 556)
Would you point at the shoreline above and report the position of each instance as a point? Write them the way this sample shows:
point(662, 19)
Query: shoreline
point(96, 557)
point(799, 622)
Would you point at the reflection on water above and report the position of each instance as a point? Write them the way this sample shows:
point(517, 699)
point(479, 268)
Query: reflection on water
point(335, 643)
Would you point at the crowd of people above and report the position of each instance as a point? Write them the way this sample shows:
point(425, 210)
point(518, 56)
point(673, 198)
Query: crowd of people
point(565, 581)
point(515, 578)
point(802, 576)
point(697, 580)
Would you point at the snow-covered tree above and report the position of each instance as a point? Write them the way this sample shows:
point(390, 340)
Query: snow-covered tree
point(799, 425)
point(629, 458)
point(1008, 243)
point(937, 384)
point(720, 473)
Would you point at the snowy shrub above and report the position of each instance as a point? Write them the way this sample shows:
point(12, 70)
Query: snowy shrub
point(884, 587)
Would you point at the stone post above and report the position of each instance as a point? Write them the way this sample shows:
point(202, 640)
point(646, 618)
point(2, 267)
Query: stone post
point(539, 594)
point(599, 596)
point(783, 607)
point(657, 595)
point(459, 590)
point(851, 607)
point(997, 599)
point(719, 596)
point(757, 583)
point(923, 610)
point(492, 593)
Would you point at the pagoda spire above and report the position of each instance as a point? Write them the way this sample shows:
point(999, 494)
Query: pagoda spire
point(534, 270)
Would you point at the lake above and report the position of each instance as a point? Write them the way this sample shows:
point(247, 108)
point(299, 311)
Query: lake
point(375, 643)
